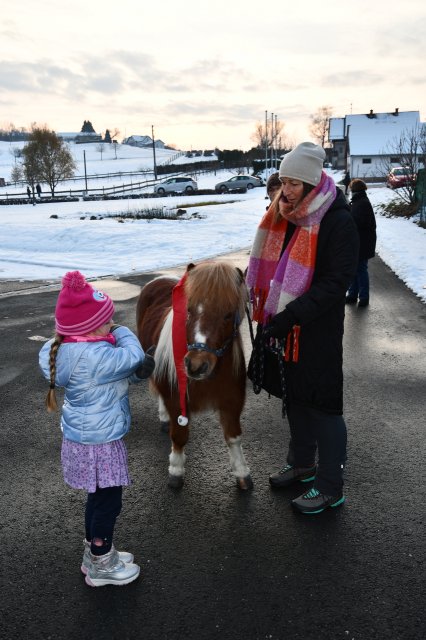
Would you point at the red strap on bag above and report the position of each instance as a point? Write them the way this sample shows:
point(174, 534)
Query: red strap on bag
point(296, 334)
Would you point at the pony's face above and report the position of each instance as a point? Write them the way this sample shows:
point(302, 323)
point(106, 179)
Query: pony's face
point(209, 331)
point(216, 295)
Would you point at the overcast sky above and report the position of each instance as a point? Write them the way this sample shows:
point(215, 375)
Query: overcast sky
point(203, 73)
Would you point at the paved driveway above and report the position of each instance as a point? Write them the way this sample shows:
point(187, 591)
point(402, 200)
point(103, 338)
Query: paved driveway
point(217, 563)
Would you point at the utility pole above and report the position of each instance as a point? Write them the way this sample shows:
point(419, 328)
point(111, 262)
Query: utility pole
point(266, 142)
point(276, 142)
point(85, 170)
point(153, 152)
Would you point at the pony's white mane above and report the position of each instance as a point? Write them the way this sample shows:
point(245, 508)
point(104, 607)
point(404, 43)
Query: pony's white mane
point(164, 361)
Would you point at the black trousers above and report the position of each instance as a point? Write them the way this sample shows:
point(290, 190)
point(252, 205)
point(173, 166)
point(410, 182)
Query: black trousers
point(313, 430)
point(102, 510)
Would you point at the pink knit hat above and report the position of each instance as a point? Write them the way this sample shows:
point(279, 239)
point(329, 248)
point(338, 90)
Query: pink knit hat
point(80, 308)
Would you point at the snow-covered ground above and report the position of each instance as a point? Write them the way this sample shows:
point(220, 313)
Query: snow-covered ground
point(35, 246)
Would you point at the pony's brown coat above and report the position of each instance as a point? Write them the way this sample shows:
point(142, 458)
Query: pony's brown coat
point(216, 297)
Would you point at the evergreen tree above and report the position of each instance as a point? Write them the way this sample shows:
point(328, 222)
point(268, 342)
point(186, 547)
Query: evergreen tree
point(87, 127)
point(107, 137)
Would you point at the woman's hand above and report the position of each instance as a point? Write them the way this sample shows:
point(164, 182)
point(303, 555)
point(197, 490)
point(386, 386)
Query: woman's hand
point(280, 325)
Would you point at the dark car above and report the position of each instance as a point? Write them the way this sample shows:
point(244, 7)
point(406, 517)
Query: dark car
point(238, 182)
point(400, 177)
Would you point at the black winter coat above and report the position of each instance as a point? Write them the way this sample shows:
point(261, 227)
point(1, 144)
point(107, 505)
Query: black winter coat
point(316, 379)
point(363, 215)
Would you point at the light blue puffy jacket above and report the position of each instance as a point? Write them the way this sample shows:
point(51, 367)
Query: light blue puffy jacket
point(96, 378)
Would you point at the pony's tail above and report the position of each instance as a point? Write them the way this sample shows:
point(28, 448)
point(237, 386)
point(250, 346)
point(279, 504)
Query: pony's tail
point(51, 404)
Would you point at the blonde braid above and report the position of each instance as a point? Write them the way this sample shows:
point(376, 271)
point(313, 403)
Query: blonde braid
point(51, 403)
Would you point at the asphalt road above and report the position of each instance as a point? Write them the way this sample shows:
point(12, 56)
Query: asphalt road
point(217, 563)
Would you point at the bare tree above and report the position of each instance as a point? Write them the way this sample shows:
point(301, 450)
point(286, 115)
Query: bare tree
point(46, 158)
point(409, 150)
point(320, 123)
point(263, 138)
point(100, 148)
point(16, 152)
point(114, 133)
point(17, 173)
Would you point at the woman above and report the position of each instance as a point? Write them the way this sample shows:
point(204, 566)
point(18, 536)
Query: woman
point(363, 215)
point(303, 258)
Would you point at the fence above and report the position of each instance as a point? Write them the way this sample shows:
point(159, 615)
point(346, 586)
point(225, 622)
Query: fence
point(130, 190)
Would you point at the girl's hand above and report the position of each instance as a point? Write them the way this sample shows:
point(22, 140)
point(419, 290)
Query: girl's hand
point(146, 368)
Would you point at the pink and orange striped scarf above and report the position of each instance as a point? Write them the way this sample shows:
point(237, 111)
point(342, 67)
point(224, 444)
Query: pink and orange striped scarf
point(274, 279)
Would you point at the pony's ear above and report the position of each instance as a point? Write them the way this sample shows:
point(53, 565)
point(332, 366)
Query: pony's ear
point(240, 274)
point(190, 266)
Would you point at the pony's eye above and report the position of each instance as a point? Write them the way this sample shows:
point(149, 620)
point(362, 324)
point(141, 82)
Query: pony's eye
point(228, 316)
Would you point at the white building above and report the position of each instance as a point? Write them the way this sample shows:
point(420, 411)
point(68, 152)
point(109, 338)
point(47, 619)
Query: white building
point(363, 143)
point(143, 141)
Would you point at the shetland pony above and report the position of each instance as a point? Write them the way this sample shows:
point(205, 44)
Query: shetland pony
point(205, 367)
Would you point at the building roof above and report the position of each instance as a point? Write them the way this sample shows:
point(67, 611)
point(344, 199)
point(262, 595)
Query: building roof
point(139, 139)
point(373, 136)
point(68, 134)
point(337, 129)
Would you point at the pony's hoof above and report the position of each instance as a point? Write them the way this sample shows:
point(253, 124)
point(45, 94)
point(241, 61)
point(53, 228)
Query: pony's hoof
point(164, 427)
point(175, 482)
point(245, 484)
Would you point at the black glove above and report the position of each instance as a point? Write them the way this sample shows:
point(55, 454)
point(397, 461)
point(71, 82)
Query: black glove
point(146, 368)
point(280, 325)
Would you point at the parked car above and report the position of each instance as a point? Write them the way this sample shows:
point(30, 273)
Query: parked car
point(265, 174)
point(400, 177)
point(178, 184)
point(238, 182)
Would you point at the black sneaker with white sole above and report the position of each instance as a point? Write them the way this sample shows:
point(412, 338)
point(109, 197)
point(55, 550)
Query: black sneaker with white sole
point(315, 502)
point(290, 474)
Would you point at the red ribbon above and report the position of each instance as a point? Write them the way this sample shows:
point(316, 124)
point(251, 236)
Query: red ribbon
point(179, 340)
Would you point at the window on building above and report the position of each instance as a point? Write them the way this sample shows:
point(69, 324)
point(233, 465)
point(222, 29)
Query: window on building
point(394, 160)
point(366, 161)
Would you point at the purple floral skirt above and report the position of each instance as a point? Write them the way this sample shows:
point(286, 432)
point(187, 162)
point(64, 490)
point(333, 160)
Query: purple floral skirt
point(88, 466)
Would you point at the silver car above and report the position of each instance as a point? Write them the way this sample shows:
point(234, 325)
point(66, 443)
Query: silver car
point(178, 184)
point(238, 182)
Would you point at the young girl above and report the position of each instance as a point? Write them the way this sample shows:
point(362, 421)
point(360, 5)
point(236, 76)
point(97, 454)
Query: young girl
point(94, 360)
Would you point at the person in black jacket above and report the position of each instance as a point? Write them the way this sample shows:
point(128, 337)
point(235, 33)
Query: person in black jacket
point(363, 215)
point(303, 258)
point(347, 181)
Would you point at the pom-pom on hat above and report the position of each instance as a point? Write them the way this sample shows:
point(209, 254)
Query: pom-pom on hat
point(304, 163)
point(80, 308)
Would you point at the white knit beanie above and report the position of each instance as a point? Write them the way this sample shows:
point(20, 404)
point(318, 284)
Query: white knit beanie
point(304, 163)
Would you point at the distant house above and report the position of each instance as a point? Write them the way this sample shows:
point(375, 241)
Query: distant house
point(143, 142)
point(80, 138)
point(362, 143)
point(87, 138)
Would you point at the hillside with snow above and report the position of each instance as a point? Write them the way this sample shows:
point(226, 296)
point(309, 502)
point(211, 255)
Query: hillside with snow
point(102, 238)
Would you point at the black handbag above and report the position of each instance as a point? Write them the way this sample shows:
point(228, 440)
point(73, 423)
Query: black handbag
point(266, 368)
